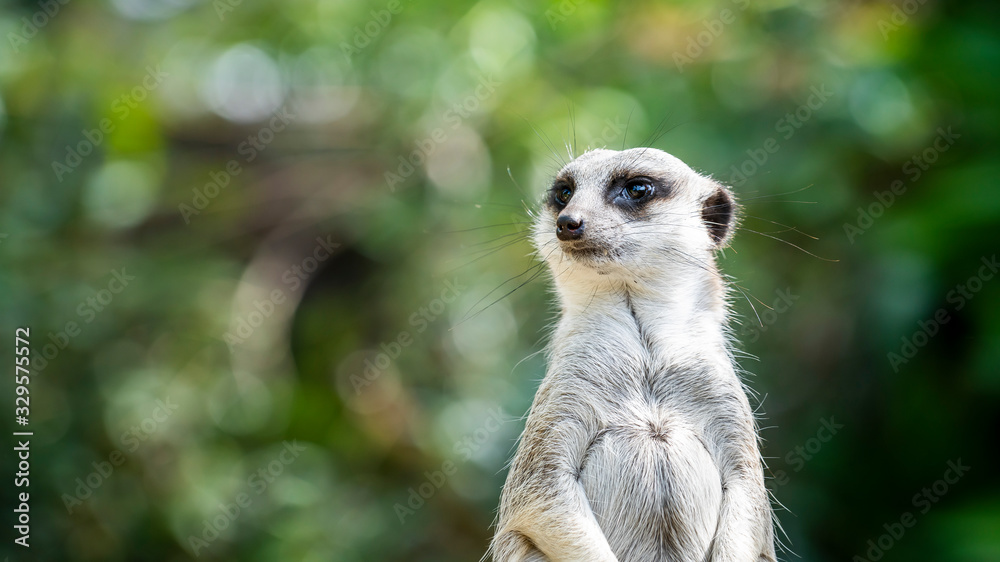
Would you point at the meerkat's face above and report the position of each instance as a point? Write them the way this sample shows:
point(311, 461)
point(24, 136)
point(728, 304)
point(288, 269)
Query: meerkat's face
point(624, 212)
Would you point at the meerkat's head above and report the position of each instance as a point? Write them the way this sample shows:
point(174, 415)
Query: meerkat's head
point(626, 213)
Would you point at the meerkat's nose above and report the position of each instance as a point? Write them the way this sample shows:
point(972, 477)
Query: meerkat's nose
point(569, 228)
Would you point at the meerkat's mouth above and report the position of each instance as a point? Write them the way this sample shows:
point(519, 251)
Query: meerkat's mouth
point(588, 253)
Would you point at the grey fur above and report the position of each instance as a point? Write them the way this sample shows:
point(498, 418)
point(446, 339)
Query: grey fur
point(641, 444)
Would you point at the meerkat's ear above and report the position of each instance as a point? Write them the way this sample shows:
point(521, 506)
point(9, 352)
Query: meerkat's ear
point(719, 214)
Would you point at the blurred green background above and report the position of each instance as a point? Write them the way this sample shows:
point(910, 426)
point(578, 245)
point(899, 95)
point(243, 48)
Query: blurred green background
point(257, 244)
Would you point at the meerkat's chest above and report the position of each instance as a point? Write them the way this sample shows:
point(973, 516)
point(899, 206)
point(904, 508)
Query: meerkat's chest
point(653, 485)
point(651, 480)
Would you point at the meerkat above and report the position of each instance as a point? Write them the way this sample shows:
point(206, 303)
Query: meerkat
point(640, 444)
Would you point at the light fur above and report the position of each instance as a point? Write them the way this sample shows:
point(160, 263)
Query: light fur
point(641, 444)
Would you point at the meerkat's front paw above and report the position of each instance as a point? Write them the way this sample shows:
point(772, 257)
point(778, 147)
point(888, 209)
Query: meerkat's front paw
point(515, 547)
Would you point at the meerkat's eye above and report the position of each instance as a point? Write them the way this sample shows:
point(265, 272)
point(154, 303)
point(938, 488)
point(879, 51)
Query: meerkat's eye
point(563, 193)
point(637, 189)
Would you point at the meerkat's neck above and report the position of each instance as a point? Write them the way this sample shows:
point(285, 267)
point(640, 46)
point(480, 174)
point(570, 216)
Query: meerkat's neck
point(677, 317)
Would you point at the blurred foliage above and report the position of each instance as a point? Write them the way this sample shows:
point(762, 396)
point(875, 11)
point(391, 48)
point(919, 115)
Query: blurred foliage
point(305, 194)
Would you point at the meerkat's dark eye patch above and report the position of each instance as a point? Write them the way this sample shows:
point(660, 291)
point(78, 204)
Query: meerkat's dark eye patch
point(560, 193)
point(638, 188)
point(634, 192)
point(719, 214)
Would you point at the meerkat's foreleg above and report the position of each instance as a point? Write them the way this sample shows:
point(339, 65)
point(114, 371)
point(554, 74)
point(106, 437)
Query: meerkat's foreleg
point(745, 529)
point(743, 533)
point(544, 509)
